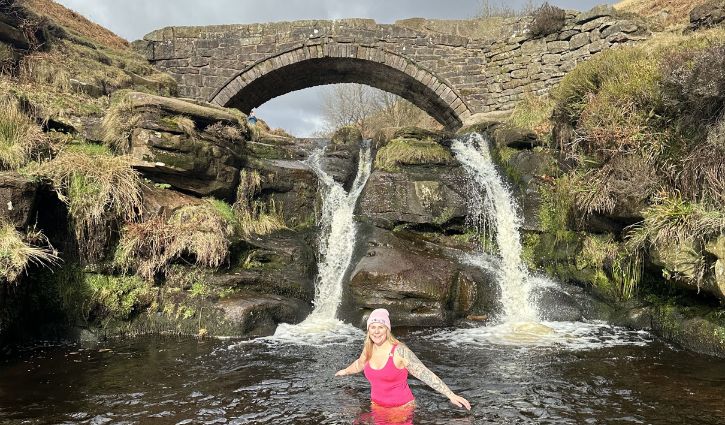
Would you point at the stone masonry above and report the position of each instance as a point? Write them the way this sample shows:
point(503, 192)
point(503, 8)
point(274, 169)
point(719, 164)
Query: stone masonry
point(450, 69)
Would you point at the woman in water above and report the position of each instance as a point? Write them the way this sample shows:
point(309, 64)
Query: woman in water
point(386, 363)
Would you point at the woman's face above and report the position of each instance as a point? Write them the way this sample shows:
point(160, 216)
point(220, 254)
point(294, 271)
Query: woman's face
point(378, 333)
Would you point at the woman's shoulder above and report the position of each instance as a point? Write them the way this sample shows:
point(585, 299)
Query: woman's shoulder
point(401, 349)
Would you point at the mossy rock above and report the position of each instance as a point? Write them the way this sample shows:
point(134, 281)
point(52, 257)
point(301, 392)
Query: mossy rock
point(402, 152)
point(419, 134)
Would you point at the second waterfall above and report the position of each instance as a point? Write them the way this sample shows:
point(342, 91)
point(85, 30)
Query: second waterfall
point(493, 212)
point(336, 245)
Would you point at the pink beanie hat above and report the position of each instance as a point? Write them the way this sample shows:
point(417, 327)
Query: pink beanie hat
point(379, 315)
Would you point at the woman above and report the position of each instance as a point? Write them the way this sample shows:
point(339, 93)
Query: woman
point(386, 363)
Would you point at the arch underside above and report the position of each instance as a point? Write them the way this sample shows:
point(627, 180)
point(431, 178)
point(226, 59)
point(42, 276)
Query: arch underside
point(334, 70)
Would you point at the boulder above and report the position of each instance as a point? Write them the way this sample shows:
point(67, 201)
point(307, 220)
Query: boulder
point(18, 195)
point(430, 195)
point(707, 15)
point(419, 286)
point(200, 164)
point(680, 264)
point(255, 315)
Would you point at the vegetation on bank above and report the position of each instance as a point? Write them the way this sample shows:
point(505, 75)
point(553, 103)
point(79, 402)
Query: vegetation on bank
point(641, 132)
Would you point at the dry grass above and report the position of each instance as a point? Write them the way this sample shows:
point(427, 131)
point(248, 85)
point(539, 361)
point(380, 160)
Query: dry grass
point(18, 251)
point(623, 176)
point(668, 13)
point(99, 190)
point(202, 231)
point(533, 113)
point(673, 220)
point(73, 21)
point(255, 217)
point(118, 122)
point(20, 136)
point(702, 175)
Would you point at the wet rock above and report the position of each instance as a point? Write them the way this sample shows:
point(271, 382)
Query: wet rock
point(341, 163)
point(419, 286)
point(430, 195)
point(282, 263)
point(555, 304)
point(255, 315)
point(292, 186)
point(18, 195)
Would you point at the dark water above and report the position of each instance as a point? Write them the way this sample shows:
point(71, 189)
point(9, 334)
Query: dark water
point(178, 381)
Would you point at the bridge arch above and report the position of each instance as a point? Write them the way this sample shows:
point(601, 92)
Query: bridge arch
point(308, 65)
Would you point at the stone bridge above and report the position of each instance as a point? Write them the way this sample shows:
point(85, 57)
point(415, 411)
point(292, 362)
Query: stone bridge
point(450, 69)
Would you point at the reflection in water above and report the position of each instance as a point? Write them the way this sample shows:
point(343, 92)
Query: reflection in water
point(379, 415)
point(171, 381)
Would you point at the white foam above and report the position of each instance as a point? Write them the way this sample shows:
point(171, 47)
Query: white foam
point(566, 335)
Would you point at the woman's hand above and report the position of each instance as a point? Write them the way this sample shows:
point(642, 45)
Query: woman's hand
point(459, 401)
point(341, 372)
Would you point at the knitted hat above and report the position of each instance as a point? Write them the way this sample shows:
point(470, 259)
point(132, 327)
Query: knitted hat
point(379, 315)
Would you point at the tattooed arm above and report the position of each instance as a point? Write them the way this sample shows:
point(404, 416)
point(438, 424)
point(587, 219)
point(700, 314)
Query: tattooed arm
point(418, 369)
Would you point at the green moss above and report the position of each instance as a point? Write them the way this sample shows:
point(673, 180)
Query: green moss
point(411, 152)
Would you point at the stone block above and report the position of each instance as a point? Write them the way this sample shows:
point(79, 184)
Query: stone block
point(557, 46)
point(579, 40)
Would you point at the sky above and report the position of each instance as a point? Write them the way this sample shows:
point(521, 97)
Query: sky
point(300, 112)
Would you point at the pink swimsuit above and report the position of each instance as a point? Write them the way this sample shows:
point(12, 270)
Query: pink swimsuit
point(389, 385)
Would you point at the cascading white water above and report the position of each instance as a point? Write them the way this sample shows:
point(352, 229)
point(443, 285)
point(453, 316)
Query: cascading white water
point(336, 244)
point(495, 215)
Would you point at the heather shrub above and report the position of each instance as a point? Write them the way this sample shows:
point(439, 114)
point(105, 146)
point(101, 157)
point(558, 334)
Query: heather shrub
point(547, 20)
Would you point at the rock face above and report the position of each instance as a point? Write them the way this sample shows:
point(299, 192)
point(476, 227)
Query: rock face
point(194, 148)
point(18, 195)
point(425, 195)
point(417, 283)
point(282, 264)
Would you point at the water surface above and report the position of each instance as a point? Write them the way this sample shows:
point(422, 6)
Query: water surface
point(627, 378)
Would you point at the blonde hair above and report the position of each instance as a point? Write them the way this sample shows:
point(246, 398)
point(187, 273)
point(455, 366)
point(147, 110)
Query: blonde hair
point(368, 344)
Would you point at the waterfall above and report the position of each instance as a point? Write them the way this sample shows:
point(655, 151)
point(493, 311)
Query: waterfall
point(336, 245)
point(493, 213)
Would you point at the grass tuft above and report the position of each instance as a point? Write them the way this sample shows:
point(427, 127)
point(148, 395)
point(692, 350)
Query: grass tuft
point(18, 251)
point(255, 217)
point(20, 136)
point(99, 190)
